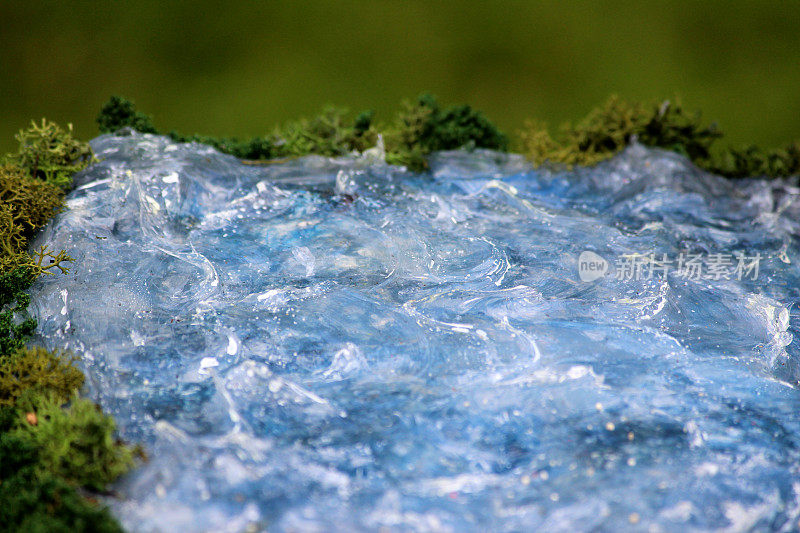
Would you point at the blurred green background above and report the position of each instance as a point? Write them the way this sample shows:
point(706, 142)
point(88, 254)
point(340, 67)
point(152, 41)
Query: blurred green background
point(238, 68)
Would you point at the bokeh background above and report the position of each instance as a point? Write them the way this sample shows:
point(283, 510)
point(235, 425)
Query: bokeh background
point(240, 67)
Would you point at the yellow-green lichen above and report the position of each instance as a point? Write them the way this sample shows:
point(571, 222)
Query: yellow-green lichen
point(608, 129)
point(12, 241)
point(40, 370)
point(50, 153)
point(32, 202)
point(33, 182)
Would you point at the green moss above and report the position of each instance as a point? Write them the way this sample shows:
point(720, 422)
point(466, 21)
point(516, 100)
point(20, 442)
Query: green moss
point(75, 443)
point(119, 113)
point(420, 128)
point(51, 154)
point(363, 122)
point(404, 145)
point(15, 453)
point(423, 126)
point(46, 504)
point(330, 134)
point(256, 148)
point(39, 370)
point(34, 502)
point(12, 289)
point(754, 161)
point(456, 126)
point(612, 127)
point(669, 126)
point(14, 331)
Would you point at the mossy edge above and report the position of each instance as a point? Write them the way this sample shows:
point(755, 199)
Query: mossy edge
point(422, 126)
point(56, 447)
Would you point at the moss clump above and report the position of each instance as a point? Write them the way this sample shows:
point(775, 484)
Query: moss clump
point(36, 501)
point(612, 127)
point(46, 504)
point(255, 148)
point(51, 154)
point(37, 369)
point(420, 128)
point(31, 202)
point(754, 161)
point(33, 182)
point(331, 134)
point(423, 127)
point(120, 113)
point(14, 332)
point(75, 442)
point(450, 128)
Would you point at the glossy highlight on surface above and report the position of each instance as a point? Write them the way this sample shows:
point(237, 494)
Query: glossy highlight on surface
point(341, 344)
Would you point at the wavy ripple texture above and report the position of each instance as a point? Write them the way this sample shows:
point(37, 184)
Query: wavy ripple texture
point(342, 345)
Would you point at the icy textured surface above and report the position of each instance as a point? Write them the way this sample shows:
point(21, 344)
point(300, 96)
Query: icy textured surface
point(341, 345)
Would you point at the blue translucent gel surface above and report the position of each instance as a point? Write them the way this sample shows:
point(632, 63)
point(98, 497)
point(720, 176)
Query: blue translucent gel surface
point(343, 345)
